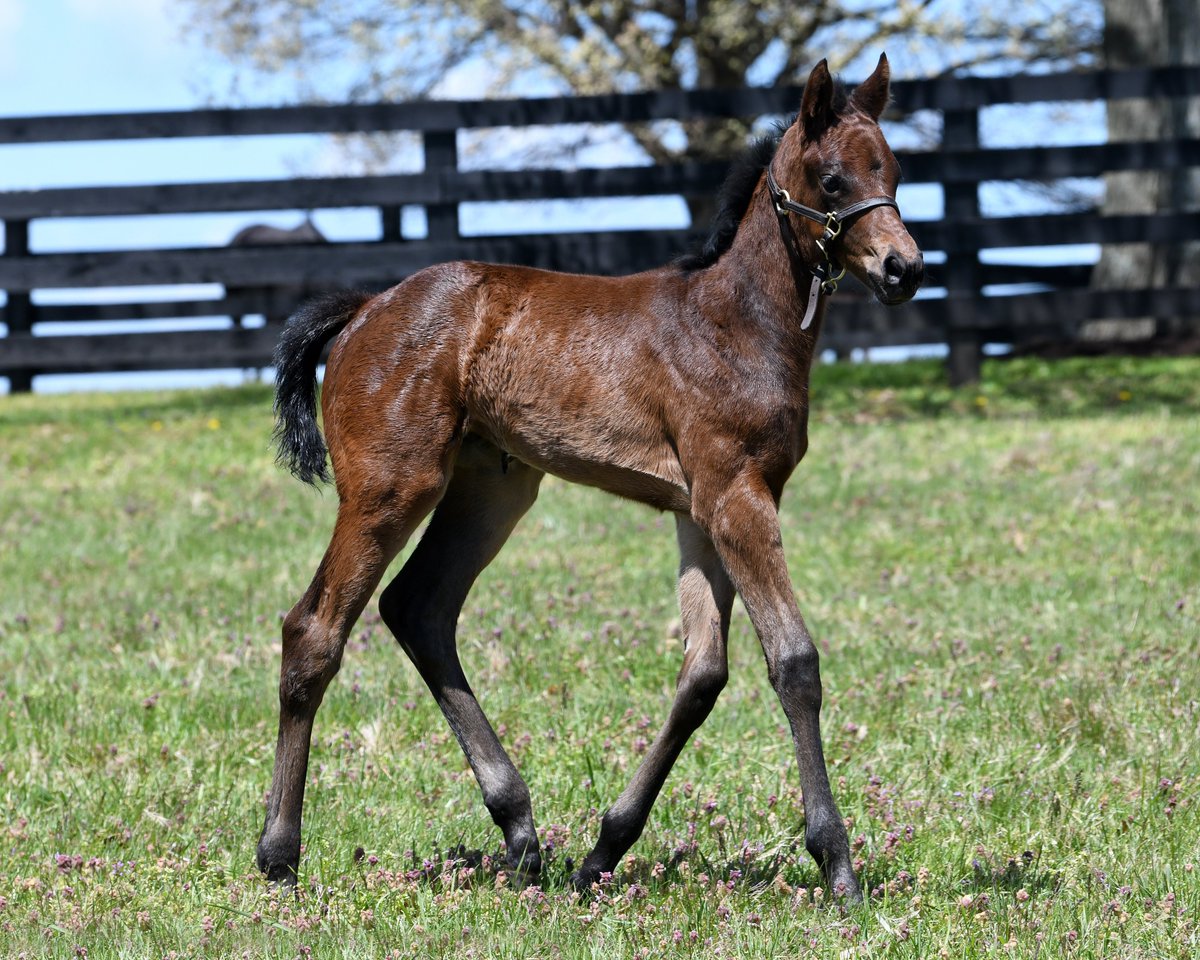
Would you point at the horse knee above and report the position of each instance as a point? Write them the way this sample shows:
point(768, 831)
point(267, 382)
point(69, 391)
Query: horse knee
point(795, 669)
point(620, 827)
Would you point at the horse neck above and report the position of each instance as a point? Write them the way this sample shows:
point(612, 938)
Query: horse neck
point(761, 292)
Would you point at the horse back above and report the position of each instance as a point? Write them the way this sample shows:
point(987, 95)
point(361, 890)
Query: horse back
point(565, 372)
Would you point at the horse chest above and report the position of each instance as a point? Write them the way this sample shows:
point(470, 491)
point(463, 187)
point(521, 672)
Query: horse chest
point(771, 427)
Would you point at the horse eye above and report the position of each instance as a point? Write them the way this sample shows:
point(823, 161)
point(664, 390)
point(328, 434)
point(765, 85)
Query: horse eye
point(831, 183)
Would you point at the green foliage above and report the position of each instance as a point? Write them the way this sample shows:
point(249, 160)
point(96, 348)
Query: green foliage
point(1007, 594)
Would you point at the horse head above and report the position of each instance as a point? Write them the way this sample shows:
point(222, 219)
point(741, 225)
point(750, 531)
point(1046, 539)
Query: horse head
point(834, 168)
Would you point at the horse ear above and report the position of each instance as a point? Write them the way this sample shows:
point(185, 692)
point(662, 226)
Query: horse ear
point(816, 109)
point(872, 95)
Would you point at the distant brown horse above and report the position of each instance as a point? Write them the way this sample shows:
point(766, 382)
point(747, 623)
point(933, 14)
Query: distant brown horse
point(263, 234)
point(684, 388)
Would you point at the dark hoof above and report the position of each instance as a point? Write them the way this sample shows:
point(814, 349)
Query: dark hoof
point(281, 876)
point(279, 861)
point(582, 882)
point(586, 877)
point(846, 890)
point(526, 871)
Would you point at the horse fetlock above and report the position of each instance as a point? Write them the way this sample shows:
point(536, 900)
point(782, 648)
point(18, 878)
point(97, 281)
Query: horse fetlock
point(510, 806)
point(616, 824)
point(828, 844)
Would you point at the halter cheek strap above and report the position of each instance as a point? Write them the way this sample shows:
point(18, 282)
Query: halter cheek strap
point(827, 275)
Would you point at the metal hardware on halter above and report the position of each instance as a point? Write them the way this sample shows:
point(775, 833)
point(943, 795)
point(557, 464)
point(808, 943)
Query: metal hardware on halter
point(782, 198)
point(825, 277)
point(829, 284)
point(829, 219)
point(831, 272)
point(833, 229)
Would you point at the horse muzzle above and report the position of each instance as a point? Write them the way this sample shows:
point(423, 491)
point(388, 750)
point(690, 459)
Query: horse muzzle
point(898, 277)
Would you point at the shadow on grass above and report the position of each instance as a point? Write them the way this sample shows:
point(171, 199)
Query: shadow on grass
point(1015, 873)
point(658, 869)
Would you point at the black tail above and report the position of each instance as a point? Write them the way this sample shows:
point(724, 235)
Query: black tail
point(297, 354)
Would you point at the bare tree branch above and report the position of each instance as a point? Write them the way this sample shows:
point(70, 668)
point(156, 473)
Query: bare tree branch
point(394, 49)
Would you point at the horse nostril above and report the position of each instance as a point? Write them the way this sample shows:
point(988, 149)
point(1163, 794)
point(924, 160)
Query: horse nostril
point(893, 269)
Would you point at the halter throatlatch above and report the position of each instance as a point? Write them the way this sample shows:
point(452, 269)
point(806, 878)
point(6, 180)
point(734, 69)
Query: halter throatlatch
point(825, 275)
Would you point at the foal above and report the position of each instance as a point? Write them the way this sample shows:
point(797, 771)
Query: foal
point(684, 388)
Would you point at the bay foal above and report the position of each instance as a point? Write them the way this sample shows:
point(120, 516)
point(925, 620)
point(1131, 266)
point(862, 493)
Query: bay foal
point(684, 388)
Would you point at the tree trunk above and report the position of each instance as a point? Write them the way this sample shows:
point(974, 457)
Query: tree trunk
point(1141, 33)
point(1182, 262)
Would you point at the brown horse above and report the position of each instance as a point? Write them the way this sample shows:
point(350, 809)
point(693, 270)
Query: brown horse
point(684, 388)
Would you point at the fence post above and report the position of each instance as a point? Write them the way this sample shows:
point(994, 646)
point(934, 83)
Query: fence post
point(18, 312)
point(960, 131)
point(441, 153)
point(389, 217)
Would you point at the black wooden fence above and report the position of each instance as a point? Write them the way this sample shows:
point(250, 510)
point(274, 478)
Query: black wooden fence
point(1054, 302)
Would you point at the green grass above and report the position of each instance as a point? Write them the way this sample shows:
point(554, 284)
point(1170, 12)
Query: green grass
point(1005, 581)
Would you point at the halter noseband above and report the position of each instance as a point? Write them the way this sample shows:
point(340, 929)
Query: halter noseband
point(826, 275)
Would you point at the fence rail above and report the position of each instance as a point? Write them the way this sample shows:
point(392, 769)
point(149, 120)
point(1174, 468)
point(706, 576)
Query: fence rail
point(481, 186)
point(270, 279)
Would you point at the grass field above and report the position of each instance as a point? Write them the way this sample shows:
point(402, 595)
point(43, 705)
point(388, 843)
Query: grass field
point(1005, 581)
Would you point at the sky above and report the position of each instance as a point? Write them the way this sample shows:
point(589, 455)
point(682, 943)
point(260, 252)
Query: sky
point(84, 56)
point(76, 56)
point(101, 56)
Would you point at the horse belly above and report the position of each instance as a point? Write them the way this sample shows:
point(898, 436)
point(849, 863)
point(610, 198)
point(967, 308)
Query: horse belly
point(648, 479)
point(560, 378)
point(605, 445)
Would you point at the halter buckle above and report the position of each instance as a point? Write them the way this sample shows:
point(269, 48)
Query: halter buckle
point(833, 227)
point(781, 200)
point(830, 285)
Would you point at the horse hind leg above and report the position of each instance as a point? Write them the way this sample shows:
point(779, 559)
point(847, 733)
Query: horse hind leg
point(705, 602)
point(486, 498)
point(373, 523)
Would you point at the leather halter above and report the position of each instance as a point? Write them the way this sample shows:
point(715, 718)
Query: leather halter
point(827, 275)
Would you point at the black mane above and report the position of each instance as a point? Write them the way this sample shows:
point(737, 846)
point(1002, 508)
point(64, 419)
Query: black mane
point(733, 199)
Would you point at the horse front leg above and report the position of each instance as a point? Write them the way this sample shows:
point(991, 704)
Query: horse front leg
point(705, 600)
point(742, 519)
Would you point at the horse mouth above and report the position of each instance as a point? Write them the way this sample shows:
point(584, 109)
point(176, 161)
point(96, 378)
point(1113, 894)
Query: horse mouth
point(890, 295)
point(897, 282)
